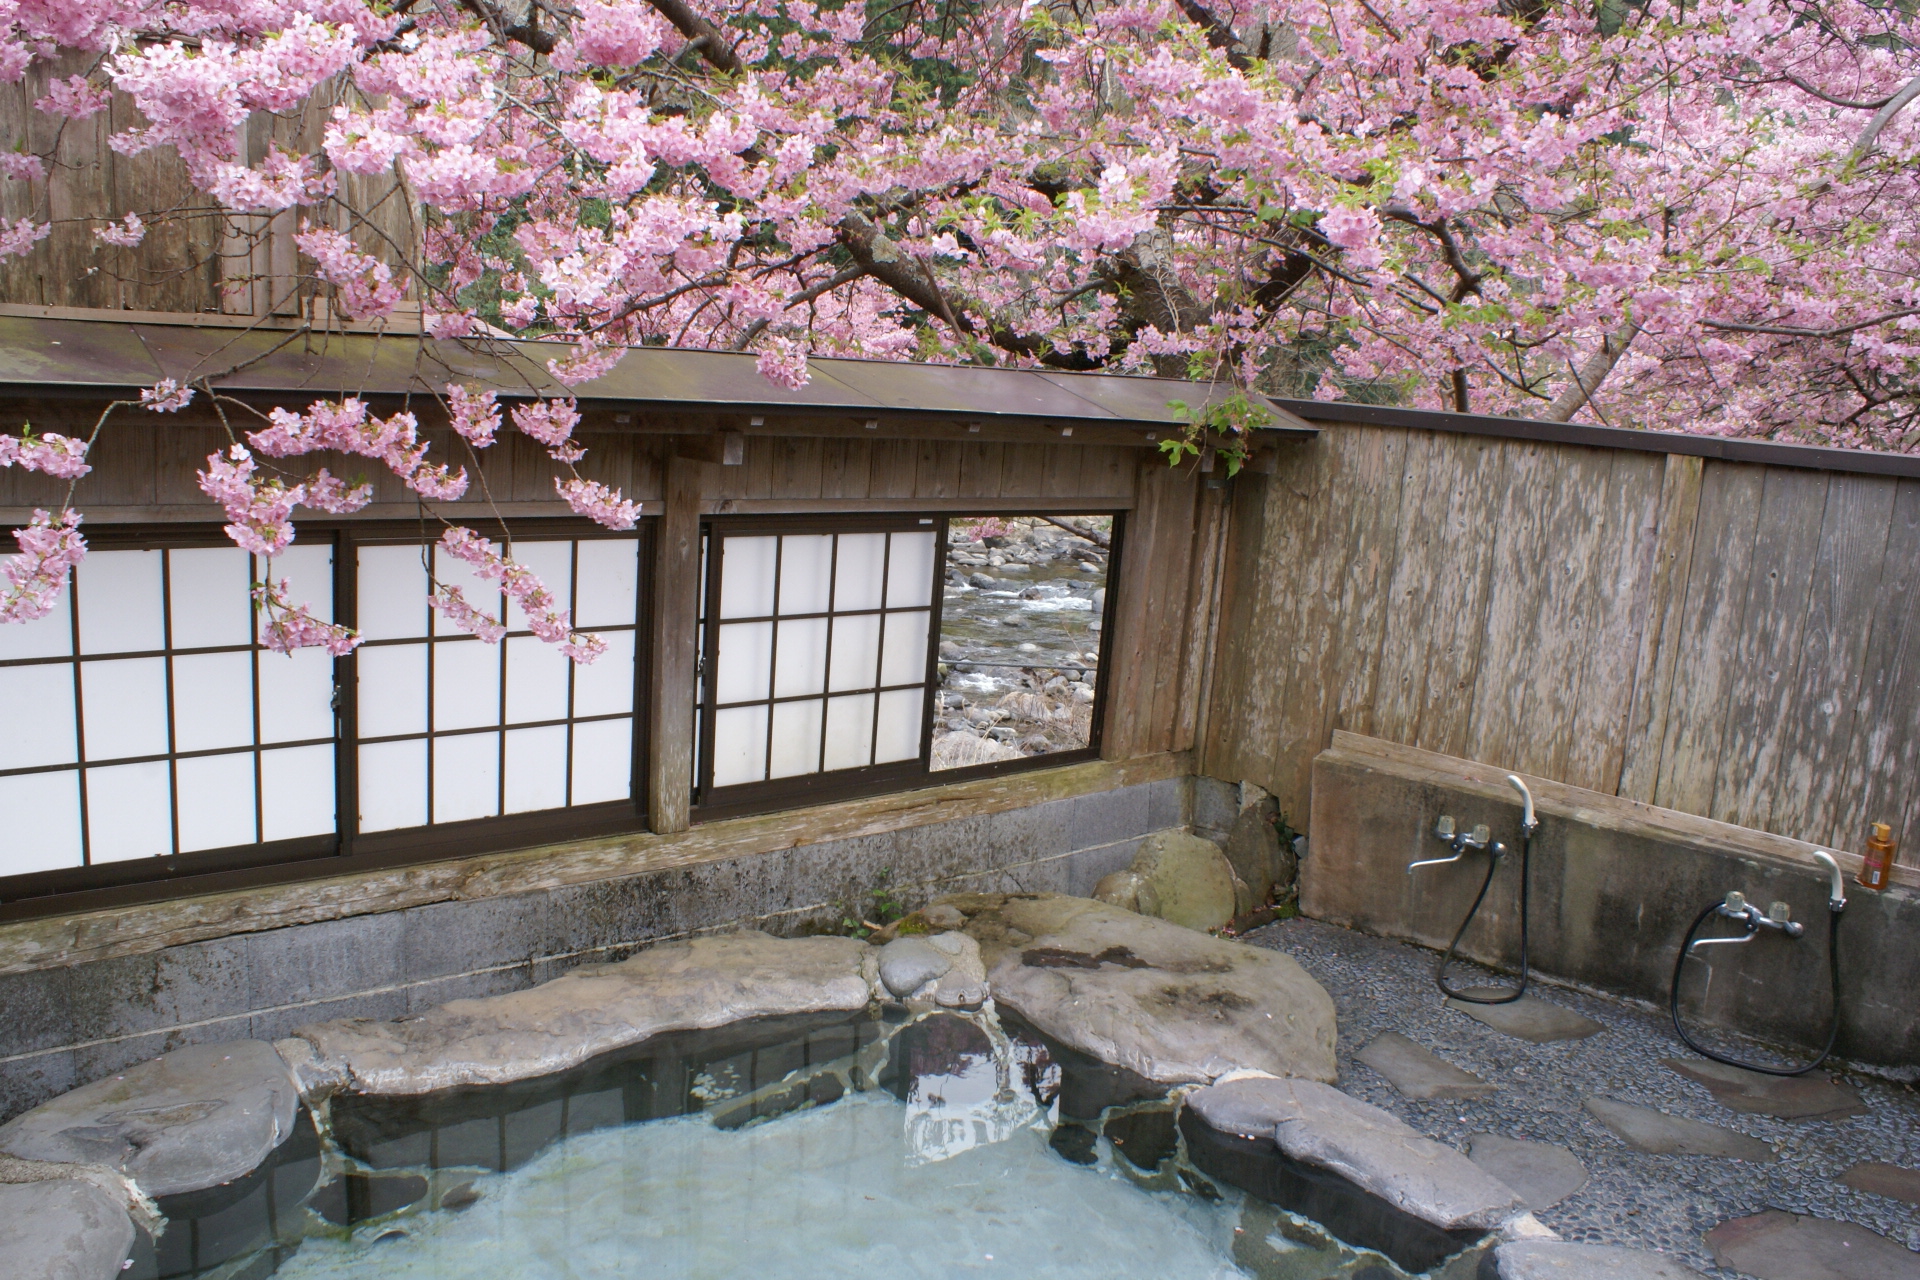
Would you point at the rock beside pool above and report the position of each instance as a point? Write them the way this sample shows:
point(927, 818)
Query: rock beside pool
point(1318, 1125)
point(1563, 1260)
point(942, 968)
point(62, 1230)
point(908, 964)
point(677, 986)
point(187, 1120)
point(1177, 877)
point(1162, 1001)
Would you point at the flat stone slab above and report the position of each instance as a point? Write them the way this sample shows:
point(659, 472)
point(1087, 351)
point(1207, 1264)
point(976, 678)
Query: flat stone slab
point(1543, 1174)
point(190, 1119)
point(677, 986)
point(1659, 1134)
point(1565, 1260)
point(1318, 1125)
point(1418, 1072)
point(1787, 1097)
point(1888, 1180)
point(1776, 1245)
point(62, 1230)
point(1529, 1017)
point(1167, 1003)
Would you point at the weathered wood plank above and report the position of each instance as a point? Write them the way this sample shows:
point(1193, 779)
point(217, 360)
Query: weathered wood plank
point(980, 469)
point(1137, 615)
point(937, 473)
point(1232, 732)
point(1662, 608)
point(1885, 741)
point(675, 642)
point(894, 463)
point(846, 469)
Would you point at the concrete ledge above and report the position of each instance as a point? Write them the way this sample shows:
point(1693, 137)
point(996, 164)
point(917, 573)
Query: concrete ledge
point(1615, 885)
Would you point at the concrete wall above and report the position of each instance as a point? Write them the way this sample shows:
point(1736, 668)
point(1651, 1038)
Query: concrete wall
point(1616, 883)
point(63, 1025)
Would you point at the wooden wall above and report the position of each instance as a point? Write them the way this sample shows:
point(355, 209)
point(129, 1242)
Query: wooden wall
point(1727, 639)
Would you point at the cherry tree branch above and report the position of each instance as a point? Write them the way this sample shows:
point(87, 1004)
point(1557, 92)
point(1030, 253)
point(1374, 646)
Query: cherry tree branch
point(1587, 379)
point(714, 46)
point(1794, 331)
point(1881, 119)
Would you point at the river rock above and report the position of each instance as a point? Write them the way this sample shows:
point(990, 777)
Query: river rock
point(1565, 1260)
point(908, 964)
point(1190, 879)
point(1253, 848)
point(1318, 1125)
point(190, 1119)
point(1129, 891)
point(62, 1230)
point(964, 984)
point(677, 986)
point(1169, 1004)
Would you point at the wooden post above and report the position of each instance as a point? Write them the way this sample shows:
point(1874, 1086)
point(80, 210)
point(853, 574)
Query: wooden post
point(676, 646)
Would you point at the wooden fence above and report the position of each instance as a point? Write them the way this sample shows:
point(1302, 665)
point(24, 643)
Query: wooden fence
point(1730, 639)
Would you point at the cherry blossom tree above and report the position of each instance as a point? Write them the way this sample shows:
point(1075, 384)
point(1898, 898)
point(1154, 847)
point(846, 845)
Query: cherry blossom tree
point(1699, 216)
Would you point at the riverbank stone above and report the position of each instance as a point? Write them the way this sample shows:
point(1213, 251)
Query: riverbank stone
point(1181, 878)
point(1776, 1245)
point(908, 964)
point(1418, 1072)
point(676, 986)
point(1659, 1134)
point(1809, 1097)
point(62, 1230)
point(184, 1121)
point(1528, 1018)
point(1565, 1260)
point(1167, 1003)
point(1544, 1174)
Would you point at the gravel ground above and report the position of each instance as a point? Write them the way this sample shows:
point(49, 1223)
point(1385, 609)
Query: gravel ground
point(1641, 1201)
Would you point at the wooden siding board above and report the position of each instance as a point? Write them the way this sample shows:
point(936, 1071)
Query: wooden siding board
point(1232, 733)
point(980, 470)
point(1886, 736)
point(1659, 644)
point(1375, 487)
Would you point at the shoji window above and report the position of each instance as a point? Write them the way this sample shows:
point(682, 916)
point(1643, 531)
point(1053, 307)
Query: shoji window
point(144, 721)
point(817, 654)
point(449, 729)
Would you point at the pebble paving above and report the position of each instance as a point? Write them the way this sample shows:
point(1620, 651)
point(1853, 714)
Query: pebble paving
point(1666, 1202)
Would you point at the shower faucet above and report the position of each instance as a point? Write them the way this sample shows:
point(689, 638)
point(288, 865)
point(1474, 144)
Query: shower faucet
point(1458, 841)
point(1779, 915)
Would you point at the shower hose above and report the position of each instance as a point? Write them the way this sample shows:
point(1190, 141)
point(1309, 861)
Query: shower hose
point(1833, 973)
point(1446, 960)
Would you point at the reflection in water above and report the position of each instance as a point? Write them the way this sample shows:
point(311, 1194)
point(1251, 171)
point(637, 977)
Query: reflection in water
point(964, 1089)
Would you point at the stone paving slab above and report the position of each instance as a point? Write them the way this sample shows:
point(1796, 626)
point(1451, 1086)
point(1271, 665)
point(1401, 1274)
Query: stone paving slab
point(1889, 1180)
point(1528, 1018)
point(187, 1120)
point(1657, 1133)
point(1776, 1245)
point(62, 1230)
point(1418, 1072)
point(1563, 1260)
point(1543, 1173)
point(1788, 1097)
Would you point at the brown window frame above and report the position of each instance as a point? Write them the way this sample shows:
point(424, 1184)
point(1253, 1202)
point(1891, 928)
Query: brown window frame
point(711, 804)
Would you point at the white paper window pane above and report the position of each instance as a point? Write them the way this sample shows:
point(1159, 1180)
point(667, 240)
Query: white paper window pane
point(609, 588)
point(208, 588)
point(215, 795)
point(910, 570)
point(739, 745)
point(37, 705)
point(212, 701)
point(42, 827)
point(856, 652)
point(746, 658)
point(899, 734)
point(50, 636)
point(806, 573)
point(800, 664)
point(307, 569)
point(553, 563)
point(129, 812)
point(393, 690)
point(125, 707)
point(849, 732)
point(537, 768)
point(604, 686)
point(796, 738)
point(537, 680)
point(860, 574)
point(119, 597)
point(393, 785)
point(746, 577)
point(296, 695)
point(466, 684)
point(296, 793)
point(904, 658)
point(603, 761)
point(393, 593)
point(466, 777)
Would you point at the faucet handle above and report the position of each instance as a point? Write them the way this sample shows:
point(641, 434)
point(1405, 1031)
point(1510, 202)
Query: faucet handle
point(1480, 836)
point(1444, 827)
point(1779, 912)
point(1736, 903)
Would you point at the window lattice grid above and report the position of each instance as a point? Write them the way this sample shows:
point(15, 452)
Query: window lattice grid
point(451, 729)
point(155, 724)
point(818, 645)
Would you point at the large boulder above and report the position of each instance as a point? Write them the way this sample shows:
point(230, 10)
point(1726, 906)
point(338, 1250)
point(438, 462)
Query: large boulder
point(187, 1120)
point(62, 1230)
point(677, 986)
point(1162, 1001)
point(1178, 877)
point(1254, 850)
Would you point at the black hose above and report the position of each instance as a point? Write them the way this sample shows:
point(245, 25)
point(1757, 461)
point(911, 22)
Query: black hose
point(1493, 864)
point(1833, 1027)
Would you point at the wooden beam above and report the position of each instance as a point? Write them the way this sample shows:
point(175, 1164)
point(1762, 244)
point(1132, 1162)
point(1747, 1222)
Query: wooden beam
point(676, 644)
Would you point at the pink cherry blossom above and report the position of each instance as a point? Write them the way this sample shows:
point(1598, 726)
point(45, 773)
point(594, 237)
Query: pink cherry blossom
point(125, 234)
point(598, 503)
point(166, 396)
point(49, 548)
point(550, 422)
point(544, 617)
point(476, 417)
point(287, 627)
point(57, 455)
